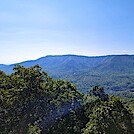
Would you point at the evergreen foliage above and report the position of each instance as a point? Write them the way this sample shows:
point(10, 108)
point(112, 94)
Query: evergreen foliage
point(33, 103)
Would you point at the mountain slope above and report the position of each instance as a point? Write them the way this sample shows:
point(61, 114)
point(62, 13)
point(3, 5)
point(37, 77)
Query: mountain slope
point(62, 63)
point(117, 63)
point(114, 72)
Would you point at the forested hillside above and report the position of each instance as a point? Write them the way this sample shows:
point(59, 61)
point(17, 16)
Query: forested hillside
point(69, 64)
point(114, 72)
point(33, 103)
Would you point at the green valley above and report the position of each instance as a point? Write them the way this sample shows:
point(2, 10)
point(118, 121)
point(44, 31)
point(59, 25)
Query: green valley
point(31, 102)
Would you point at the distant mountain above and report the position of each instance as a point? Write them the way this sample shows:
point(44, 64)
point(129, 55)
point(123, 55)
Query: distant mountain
point(60, 63)
point(85, 71)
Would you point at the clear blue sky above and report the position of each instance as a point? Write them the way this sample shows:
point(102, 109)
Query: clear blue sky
point(30, 29)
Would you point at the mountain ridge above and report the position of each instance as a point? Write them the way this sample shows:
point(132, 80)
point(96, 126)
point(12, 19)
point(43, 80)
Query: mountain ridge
point(74, 63)
point(67, 55)
point(86, 71)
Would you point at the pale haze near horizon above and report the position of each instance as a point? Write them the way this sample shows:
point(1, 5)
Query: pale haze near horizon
point(30, 29)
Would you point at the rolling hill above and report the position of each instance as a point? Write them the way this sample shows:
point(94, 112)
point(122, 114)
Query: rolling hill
point(114, 72)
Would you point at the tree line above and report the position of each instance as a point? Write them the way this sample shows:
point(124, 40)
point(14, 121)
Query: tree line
point(33, 103)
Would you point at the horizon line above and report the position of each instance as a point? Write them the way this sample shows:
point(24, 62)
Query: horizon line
point(68, 55)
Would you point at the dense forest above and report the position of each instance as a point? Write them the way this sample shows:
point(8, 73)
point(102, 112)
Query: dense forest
point(114, 72)
point(31, 102)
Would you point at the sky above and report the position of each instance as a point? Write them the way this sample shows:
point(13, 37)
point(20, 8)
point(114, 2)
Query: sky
point(30, 29)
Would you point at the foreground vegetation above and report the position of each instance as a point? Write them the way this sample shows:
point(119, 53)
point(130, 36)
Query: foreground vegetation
point(33, 103)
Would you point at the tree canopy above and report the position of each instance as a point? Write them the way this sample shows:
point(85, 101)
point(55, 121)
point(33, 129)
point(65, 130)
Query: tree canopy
point(33, 103)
